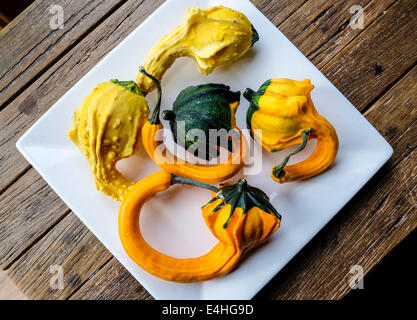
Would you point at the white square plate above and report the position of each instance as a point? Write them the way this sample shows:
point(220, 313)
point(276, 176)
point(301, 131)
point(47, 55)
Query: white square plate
point(174, 224)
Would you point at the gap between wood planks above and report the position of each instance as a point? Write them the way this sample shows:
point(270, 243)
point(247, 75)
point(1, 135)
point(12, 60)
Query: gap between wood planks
point(367, 107)
point(36, 240)
point(355, 36)
point(346, 23)
point(90, 277)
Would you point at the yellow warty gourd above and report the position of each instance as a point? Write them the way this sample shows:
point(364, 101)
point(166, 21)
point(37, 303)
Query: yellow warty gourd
point(107, 128)
point(212, 37)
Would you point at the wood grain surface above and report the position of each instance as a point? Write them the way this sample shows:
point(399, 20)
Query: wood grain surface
point(375, 67)
point(32, 45)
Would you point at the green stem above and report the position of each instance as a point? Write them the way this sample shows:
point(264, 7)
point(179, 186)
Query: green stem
point(168, 115)
point(128, 85)
point(233, 207)
point(155, 115)
point(249, 94)
point(255, 35)
point(279, 171)
point(183, 180)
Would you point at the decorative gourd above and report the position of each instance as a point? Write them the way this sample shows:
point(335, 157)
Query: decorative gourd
point(106, 128)
point(205, 107)
point(212, 37)
point(240, 216)
point(169, 162)
point(283, 109)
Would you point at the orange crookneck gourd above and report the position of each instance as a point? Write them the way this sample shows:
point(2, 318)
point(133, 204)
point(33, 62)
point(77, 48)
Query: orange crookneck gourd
point(239, 215)
point(169, 162)
point(212, 37)
point(284, 112)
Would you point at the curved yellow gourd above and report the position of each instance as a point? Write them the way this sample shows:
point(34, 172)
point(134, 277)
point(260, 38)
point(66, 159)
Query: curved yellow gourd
point(107, 129)
point(241, 222)
point(212, 37)
point(283, 111)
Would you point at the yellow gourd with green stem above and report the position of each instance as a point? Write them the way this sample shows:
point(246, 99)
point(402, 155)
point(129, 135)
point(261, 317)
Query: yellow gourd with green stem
point(285, 114)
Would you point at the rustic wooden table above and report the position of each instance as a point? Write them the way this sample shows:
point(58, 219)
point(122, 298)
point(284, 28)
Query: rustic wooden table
point(374, 67)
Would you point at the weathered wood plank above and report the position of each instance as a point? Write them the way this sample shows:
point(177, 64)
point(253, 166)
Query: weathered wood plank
point(321, 29)
point(45, 91)
point(69, 245)
point(378, 57)
point(395, 116)
point(112, 282)
point(345, 34)
point(28, 209)
point(278, 10)
point(28, 45)
point(379, 216)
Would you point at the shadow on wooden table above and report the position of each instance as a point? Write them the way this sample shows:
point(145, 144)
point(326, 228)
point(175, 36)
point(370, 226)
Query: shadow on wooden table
point(11, 9)
point(394, 277)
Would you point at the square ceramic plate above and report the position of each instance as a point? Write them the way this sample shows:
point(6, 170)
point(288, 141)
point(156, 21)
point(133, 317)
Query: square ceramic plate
point(172, 221)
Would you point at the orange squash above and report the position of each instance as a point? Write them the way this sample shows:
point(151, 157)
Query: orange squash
point(240, 216)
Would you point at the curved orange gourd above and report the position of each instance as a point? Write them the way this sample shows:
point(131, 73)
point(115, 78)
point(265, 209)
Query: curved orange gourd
point(242, 221)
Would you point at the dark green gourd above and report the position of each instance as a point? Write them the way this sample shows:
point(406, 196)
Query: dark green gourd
point(202, 107)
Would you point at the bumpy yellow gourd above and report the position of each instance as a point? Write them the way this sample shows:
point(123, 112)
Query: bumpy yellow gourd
point(240, 216)
point(284, 111)
point(212, 37)
point(107, 128)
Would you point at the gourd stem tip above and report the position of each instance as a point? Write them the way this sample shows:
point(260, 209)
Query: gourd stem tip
point(255, 35)
point(155, 114)
point(168, 115)
point(243, 184)
point(279, 171)
point(249, 94)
